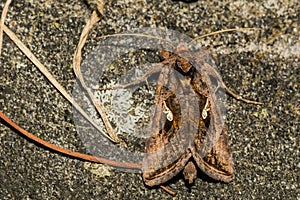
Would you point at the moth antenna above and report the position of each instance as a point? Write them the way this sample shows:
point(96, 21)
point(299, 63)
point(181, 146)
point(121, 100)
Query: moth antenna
point(236, 96)
point(224, 31)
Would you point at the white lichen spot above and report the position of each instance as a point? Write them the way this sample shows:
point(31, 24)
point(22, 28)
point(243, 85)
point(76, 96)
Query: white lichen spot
point(121, 109)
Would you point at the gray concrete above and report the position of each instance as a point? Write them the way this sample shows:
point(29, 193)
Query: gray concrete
point(263, 65)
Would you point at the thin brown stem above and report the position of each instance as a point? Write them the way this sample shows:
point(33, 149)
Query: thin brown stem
point(66, 151)
point(3, 16)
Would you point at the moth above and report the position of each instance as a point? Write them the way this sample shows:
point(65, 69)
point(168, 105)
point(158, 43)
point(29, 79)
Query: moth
point(188, 131)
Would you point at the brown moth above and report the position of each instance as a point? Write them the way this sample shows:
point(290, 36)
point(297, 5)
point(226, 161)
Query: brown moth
point(188, 131)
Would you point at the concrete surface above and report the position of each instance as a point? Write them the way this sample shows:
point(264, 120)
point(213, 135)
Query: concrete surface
point(262, 65)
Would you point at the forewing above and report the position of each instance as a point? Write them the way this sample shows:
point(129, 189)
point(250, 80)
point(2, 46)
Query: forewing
point(211, 153)
point(218, 163)
point(168, 147)
point(209, 86)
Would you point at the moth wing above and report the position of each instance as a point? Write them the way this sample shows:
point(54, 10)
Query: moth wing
point(167, 149)
point(212, 153)
point(218, 163)
point(210, 87)
point(162, 165)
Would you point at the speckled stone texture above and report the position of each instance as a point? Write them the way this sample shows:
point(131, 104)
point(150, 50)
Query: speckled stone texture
point(262, 65)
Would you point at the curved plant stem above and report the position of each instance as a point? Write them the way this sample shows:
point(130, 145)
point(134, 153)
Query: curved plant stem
point(76, 66)
point(3, 16)
point(69, 152)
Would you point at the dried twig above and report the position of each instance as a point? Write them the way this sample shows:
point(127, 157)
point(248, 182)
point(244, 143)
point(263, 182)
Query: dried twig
point(3, 16)
point(49, 76)
point(69, 152)
point(76, 66)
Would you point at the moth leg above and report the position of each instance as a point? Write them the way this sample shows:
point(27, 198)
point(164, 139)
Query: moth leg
point(238, 97)
point(152, 70)
point(212, 71)
point(168, 190)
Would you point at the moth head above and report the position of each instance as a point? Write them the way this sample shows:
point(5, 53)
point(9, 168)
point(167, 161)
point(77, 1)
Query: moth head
point(185, 57)
point(164, 54)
